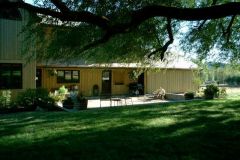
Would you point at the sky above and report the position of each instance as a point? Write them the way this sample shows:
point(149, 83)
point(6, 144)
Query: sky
point(28, 1)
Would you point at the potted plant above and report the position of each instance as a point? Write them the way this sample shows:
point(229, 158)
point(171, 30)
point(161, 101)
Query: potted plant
point(189, 95)
point(59, 95)
point(68, 103)
point(83, 102)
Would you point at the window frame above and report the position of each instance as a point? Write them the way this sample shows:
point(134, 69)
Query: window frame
point(15, 81)
point(66, 78)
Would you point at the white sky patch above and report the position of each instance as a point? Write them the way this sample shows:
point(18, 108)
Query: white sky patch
point(29, 1)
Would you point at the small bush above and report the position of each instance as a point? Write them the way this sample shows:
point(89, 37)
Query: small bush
point(211, 91)
point(83, 102)
point(26, 99)
point(68, 103)
point(30, 99)
point(189, 95)
point(233, 80)
point(5, 99)
point(59, 95)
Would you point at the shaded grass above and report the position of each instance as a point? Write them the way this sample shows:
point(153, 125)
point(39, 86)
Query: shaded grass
point(190, 130)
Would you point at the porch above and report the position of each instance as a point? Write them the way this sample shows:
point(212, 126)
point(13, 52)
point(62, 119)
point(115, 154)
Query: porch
point(116, 101)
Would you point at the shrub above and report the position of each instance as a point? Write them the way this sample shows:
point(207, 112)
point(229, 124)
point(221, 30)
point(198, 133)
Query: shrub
point(62, 90)
point(30, 99)
point(59, 95)
point(83, 102)
point(68, 103)
point(26, 99)
point(5, 101)
point(189, 95)
point(233, 80)
point(211, 91)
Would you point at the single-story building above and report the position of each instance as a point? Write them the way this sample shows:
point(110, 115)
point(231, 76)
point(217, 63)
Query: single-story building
point(17, 74)
point(115, 78)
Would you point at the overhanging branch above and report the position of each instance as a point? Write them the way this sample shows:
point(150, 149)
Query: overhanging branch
point(204, 21)
point(72, 16)
point(96, 43)
point(164, 48)
point(61, 6)
point(137, 17)
point(228, 31)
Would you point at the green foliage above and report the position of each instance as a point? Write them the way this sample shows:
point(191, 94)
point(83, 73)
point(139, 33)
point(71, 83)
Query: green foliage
point(233, 80)
point(27, 99)
point(60, 94)
point(211, 91)
point(71, 37)
point(5, 98)
point(54, 42)
point(134, 74)
point(31, 98)
point(189, 95)
point(63, 90)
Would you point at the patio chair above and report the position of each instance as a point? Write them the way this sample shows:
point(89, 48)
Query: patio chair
point(116, 100)
point(159, 93)
point(127, 100)
point(105, 97)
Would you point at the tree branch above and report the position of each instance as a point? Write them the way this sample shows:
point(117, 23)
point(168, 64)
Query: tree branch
point(164, 48)
point(228, 31)
point(204, 21)
point(96, 43)
point(72, 16)
point(137, 16)
point(61, 6)
point(188, 14)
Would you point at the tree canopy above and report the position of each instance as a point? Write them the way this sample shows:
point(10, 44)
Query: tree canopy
point(132, 30)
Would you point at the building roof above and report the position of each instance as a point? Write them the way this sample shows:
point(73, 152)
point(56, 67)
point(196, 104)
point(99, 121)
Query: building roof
point(178, 62)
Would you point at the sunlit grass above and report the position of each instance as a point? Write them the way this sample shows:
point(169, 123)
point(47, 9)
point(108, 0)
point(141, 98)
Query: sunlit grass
point(190, 130)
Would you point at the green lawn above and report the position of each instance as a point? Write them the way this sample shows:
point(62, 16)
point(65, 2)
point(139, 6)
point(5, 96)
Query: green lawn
point(193, 130)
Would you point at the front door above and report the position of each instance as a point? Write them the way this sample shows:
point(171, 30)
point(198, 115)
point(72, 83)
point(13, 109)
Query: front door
point(141, 81)
point(106, 82)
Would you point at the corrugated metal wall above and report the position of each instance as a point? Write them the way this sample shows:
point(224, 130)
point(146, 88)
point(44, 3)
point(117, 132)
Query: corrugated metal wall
point(88, 78)
point(172, 80)
point(10, 49)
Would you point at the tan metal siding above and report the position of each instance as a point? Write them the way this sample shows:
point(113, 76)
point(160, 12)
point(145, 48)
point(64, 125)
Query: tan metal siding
point(10, 50)
point(29, 75)
point(10, 39)
point(120, 81)
point(88, 78)
point(172, 80)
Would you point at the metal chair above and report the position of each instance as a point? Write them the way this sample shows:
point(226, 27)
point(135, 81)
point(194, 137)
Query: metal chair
point(105, 97)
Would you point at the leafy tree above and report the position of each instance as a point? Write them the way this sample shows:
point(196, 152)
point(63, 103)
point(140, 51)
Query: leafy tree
point(131, 30)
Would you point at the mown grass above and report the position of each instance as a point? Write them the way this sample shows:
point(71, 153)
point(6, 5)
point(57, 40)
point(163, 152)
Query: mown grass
point(190, 130)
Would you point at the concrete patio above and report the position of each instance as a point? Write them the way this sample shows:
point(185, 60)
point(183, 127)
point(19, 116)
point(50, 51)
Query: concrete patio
point(96, 102)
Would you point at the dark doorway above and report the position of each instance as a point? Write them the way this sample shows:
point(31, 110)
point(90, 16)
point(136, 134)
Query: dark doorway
point(106, 82)
point(39, 78)
point(141, 82)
